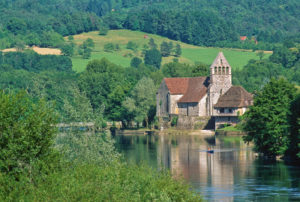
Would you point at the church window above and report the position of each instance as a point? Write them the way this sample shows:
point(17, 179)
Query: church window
point(227, 70)
point(216, 70)
point(219, 70)
point(223, 70)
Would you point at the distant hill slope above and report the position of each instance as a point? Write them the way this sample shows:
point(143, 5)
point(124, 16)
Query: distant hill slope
point(190, 53)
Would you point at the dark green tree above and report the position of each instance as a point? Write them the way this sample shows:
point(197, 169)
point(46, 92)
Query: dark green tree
point(153, 57)
point(135, 62)
point(266, 122)
point(177, 50)
point(294, 147)
point(165, 49)
point(152, 44)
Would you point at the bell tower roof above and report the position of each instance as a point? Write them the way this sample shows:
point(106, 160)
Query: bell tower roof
point(220, 61)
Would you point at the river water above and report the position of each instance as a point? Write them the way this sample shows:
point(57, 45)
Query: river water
point(231, 173)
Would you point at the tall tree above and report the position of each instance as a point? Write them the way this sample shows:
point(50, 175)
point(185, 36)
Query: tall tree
point(141, 100)
point(153, 58)
point(266, 123)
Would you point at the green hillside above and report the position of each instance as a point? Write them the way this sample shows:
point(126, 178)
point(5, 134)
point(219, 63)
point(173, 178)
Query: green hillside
point(190, 53)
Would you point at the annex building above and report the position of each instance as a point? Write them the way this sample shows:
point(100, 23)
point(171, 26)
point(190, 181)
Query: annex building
point(212, 97)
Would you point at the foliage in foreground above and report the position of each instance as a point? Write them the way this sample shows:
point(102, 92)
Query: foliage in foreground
point(267, 122)
point(117, 182)
point(89, 168)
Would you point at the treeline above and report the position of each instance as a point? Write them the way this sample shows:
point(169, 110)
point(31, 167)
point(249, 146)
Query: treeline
point(194, 27)
point(34, 62)
point(209, 23)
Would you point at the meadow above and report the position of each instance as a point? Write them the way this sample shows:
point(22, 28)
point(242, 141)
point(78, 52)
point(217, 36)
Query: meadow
point(190, 53)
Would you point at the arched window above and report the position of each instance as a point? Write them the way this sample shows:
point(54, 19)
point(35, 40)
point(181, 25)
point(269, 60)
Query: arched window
point(227, 70)
point(223, 70)
point(216, 70)
point(220, 70)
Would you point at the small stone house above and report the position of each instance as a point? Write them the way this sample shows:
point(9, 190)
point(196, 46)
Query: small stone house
point(212, 97)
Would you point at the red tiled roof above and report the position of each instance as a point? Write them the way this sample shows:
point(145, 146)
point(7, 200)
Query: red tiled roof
point(177, 85)
point(236, 96)
point(197, 88)
point(193, 89)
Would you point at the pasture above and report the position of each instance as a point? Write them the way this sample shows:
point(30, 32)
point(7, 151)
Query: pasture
point(190, 53)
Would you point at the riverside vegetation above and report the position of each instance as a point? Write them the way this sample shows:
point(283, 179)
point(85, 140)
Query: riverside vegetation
point(37, 165)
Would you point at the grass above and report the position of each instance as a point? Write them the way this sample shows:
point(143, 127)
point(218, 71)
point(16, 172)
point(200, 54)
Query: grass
point(190, 53)
point(230, 129)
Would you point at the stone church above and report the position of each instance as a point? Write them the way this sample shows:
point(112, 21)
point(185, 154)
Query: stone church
point(211, 97)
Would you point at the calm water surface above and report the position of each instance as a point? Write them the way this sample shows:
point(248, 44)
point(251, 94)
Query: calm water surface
point(232, 173)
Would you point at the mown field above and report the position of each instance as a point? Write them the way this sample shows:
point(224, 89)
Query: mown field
point(190, 53)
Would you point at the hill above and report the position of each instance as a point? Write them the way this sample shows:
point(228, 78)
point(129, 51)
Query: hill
point(190, 53)
point(200, 22)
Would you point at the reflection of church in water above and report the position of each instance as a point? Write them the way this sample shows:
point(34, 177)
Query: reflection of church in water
point(185, 156)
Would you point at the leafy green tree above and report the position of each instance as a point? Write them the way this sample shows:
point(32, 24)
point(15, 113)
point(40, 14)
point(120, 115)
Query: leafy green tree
point(86, 53)
point(27, 133)
point(165, 49)
point(152, 44)
point(141, 99)
point(153, 57)
point(135, 62)
point(109, 47)
point(294, 119)
point(177, 50)
point(67, 49)
point(132, 45)
point(266, 122)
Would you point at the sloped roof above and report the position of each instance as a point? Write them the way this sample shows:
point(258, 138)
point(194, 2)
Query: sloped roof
point(192, 89)
point(177, 85)
point(197, 88)
point(236, 96)
point(220, 61)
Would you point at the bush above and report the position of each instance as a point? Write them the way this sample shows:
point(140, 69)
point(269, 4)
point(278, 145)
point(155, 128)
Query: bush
point(174, 121)
point(27, 132)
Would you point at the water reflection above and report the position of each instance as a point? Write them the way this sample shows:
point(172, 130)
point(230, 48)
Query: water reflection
point(232, 173)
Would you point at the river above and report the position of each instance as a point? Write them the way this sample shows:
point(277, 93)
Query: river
point(231, 173)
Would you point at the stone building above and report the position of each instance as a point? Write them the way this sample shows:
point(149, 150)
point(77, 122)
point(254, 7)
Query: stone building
point(212, 97)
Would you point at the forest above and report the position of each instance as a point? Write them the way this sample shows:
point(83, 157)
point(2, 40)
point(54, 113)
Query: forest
point(207, 23)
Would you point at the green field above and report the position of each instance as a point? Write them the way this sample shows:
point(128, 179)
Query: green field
point(190, 54)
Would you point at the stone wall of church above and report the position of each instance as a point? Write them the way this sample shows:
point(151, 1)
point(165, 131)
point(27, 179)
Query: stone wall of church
point(202, 106)
point(189, 109)
point(162, 100)
point(173, 104)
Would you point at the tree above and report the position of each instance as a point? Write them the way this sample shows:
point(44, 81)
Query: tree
point(177, 50)
point(153, 57)
point(165, 49)
point(132, 45)
point(260, 54)
point(294, 119)
point(152, 44)
point(67, 49)
point(135, 62)
point(266, 122)
point(27, 132)
point(141, 99)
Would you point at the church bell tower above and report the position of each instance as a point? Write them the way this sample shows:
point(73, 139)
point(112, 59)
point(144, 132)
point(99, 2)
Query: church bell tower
point(220, 81)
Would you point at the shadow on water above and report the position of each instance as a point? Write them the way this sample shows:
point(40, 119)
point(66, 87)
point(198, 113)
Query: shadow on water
point(232, 173)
